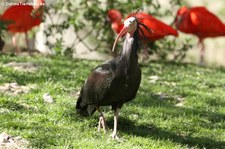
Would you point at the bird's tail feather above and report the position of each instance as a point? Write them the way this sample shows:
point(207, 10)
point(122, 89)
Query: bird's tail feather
point(84, 109)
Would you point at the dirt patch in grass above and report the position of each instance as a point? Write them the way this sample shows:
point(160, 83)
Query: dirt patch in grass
point(10, 142)
point(15, 89)
point(23, 66)
point(179, 100)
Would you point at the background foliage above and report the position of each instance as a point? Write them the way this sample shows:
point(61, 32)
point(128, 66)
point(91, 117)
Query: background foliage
point(90, 17)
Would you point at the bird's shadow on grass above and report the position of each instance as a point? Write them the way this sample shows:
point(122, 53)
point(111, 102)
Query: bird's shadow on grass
point(151, 131)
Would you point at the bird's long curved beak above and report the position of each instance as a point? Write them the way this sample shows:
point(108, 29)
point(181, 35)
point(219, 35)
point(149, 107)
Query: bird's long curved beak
point(107, 19)
point(172, 23)
point(122, 32)
point(177, 20)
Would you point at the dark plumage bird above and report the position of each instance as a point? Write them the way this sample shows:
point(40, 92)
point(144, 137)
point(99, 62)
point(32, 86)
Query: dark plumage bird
point(114, 82)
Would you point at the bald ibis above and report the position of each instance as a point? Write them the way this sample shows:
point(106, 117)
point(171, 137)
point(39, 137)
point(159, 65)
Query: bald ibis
point(114, 82)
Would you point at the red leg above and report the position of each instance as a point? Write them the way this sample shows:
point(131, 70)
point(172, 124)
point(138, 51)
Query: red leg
point(202, 52)
point(14, 40)
point(145, 53)
point(27, 42)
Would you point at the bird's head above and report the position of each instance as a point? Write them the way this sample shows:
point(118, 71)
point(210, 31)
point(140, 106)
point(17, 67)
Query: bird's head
point(114, 15)
point(38, 6)
point(179, 16)
point(182, 10)
point(115, 18)
point(130, 26)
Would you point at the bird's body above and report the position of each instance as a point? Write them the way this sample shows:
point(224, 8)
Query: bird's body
point(199, 22)
point(110, 84)
point(114, 82)
point(22, 18)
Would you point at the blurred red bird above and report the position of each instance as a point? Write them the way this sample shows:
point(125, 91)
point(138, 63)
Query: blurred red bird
point(23, 17)
point(200, 22)
point(159, 29)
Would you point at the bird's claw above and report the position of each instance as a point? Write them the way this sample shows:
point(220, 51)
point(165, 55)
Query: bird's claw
point(115, 137)
point(201, 62)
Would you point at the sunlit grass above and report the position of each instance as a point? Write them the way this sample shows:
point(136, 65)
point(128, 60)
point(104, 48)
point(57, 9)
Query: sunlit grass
point(157, 118)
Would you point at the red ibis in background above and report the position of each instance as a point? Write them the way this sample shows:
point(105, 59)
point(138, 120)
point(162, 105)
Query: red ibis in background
point(160, 29)
point(199, 22)
point(23, 17)
point(114, 82)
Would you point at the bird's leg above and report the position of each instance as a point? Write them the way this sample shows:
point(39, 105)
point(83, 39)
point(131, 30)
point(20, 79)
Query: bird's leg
point(202, 52)
point(145, 53)
point(101, 122)
point(116, 115)
point(27, 41)
point(14, 40)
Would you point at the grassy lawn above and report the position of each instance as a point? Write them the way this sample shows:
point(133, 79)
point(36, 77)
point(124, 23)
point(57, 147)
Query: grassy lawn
point(177, 106)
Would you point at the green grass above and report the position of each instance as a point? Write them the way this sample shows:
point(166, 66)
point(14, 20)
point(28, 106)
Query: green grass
point(146, 122)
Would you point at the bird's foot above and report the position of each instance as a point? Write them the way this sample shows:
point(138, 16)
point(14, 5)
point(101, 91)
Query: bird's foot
point(144, 57)
point(202, 59)
point(115, 137)
point(30, 53)
point(18, 50)
point(201, 63)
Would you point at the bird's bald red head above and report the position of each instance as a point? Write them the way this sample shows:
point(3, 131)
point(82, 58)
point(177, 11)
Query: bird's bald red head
point(182, 10)
point(115, 15)
point(179, 16)
point(38, 4)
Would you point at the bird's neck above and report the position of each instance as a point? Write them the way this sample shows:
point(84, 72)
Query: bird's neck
point(129, 53)
point(38, 8)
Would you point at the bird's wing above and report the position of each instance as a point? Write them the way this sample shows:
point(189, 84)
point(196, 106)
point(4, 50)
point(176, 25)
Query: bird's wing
point(159, 28)
point(98, 83)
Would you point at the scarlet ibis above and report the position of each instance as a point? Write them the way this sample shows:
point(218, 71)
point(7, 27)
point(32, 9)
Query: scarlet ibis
point(199, 22)
point(160, 29)
point(22, 18)
point(114, 82)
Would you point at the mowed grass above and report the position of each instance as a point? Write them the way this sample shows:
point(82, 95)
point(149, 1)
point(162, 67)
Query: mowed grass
point(184, 107)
